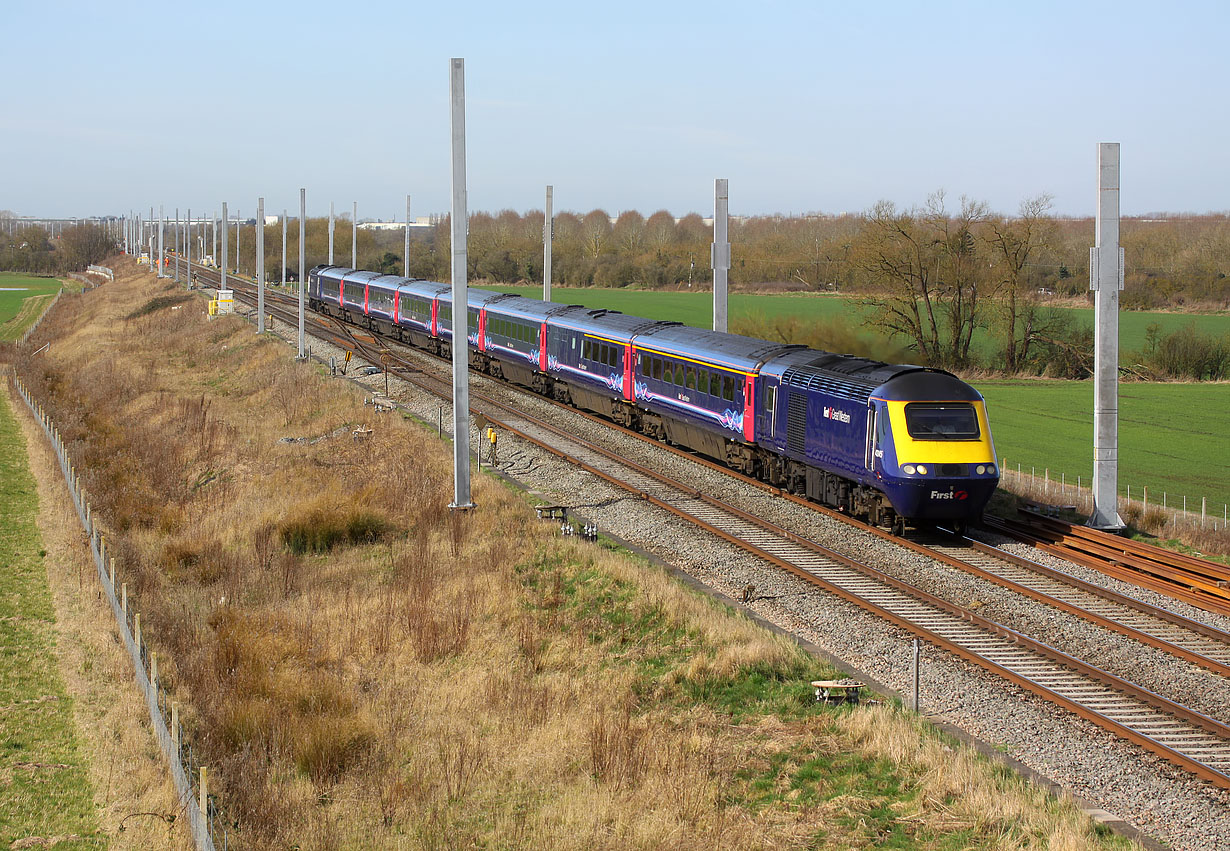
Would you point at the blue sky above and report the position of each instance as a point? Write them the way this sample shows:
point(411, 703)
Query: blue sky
point(803, 106)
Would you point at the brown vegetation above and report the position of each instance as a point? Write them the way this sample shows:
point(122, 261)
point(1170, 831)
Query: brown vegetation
point(405, 679)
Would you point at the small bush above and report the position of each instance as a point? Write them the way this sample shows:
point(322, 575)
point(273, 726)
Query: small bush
point(159, 303)
point(322, 529)
point(1155, 519)
point(325, 747)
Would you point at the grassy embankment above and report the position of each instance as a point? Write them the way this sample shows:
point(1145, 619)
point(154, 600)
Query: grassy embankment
point(362, 670)
point(45, 792)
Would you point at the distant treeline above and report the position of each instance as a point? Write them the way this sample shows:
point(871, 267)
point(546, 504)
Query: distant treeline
point(935, 276)
point(32, 249)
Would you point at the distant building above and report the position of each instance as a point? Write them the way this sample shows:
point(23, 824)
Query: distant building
point(423, 222)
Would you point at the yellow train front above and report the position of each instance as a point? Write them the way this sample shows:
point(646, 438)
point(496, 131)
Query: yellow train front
point(897, 444)
point(933, 453)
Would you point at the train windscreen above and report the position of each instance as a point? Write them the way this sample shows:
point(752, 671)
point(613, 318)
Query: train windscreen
point(948, 421)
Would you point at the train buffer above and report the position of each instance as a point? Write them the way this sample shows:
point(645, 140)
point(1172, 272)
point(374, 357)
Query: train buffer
point(837, 691)
point(552, 512)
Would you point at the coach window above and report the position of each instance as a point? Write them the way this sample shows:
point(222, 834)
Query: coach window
point(715, 384)
point(690, 380)
point(657, 369)
point(679, 371)
point(702, 380)
point(728, 388)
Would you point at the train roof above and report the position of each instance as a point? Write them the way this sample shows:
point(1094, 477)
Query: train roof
point(521, 307)
point(426, 289)
point(385, 282)
point(600, 322)
point(745, 354)
point(851, 377)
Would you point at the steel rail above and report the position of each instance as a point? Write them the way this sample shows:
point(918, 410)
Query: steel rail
point(1170, 583)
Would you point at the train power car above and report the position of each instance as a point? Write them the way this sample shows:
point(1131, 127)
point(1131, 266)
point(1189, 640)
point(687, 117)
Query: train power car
point(893, 443)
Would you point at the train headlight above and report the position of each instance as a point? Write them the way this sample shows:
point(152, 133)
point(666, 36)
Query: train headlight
point(980, 469)
point(922, 469)
point(991, 469)
point(908, 469)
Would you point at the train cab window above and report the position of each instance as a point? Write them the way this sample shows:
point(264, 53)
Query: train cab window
point(941, 421)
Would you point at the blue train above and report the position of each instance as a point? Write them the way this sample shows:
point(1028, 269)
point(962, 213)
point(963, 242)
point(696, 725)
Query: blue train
point(890, 443)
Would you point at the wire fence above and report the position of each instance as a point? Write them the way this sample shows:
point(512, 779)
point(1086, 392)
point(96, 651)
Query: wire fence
point(1174, 511)
point(39, 320)
point(188, 774)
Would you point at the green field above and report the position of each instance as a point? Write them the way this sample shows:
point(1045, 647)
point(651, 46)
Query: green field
point(22, 299)
point(696, 309)
point(1172, 437)
point(44, 780)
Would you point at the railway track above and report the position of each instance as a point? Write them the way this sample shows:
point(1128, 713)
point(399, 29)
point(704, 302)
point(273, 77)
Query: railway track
point(1198, 582)
point(1194, 741)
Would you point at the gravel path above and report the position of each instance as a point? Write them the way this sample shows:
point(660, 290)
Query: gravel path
point(1161, 800)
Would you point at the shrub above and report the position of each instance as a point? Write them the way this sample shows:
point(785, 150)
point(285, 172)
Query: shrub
point(159, 303)
point(1189, 353)
point(322, 529)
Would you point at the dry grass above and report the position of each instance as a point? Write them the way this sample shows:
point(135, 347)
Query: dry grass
point(133, 792)
point(415, 680)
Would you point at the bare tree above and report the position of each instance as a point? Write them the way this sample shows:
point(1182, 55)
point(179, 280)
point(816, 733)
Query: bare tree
point(924, 268)
point(1015, 243)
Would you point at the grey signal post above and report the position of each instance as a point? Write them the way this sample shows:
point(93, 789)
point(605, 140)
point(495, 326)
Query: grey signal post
point(179, 249)
point(260, 265)
point(237, 231)
point(283, 246)
point(461, 325)
point(354, 236)
point(406, 262)
point(302, 260)
point(225, 228)
point(188, 250)
point(1106, 279)
point(548, 233)
point(721, 251)
point(330, 233)
point(162, 224)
